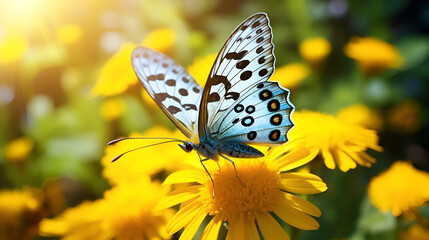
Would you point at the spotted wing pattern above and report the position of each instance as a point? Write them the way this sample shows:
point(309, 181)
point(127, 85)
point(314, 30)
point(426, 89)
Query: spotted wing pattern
point(260, 116)
point(245, 60)
point(170, 86)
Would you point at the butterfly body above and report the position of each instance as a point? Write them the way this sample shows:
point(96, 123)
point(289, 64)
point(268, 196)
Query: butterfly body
point(212, 149)
point(237, 106)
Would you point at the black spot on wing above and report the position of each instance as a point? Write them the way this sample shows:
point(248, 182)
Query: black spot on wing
point(213, 97)
point(238, 108)
point(255, 24)
point(274, 135)
point(232, 95)
point(250, 109)
point(265, 94)
point(273, 105)
point(159, 97)
point(251, 135)
point(156, 77)
point(171, 82)
point(246, 75)
point(183, 92)
point(276, 119)
point(235, 55)
point(242, 64)
point(195, 89)
point(216, 79)
point(247, 121)
point(189, 106)
point(173, 109)
point(263, 72)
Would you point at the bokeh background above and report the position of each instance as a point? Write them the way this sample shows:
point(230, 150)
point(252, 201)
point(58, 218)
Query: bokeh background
point(67, 88)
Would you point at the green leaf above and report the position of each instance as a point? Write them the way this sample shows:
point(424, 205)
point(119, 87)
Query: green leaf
point(414, 49)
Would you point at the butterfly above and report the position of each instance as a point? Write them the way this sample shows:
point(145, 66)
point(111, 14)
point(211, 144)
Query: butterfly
point(237, 106)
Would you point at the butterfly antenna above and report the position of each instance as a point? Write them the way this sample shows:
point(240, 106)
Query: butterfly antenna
point(132, 150)
point(140, 138)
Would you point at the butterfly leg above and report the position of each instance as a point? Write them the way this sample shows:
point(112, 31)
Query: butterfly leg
point(235, 169)
point(208, 173)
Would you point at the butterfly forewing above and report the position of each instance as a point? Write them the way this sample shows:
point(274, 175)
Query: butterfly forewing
point(245, 60)
point(171, 87)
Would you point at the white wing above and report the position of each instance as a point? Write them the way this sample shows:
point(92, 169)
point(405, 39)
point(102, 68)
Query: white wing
point(232, 107)
point(245, 59)
point(170, 86)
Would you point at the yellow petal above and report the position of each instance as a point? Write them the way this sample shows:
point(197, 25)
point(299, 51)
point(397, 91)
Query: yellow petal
point(178, 196)
point(117, 73)
point(328, 159)
point(184, 216)
point(302, 205)
point(345, 163)
point(242, 228)
point(302, 183)
point(296, 158)
point(294, 217)
point(193, 226)
point(211, 231)
point(50, 227)
point(251, 232)
point(270, 228)
point(185, 176)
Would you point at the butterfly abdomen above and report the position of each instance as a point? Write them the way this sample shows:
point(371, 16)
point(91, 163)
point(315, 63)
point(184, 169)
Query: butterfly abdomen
point(239, 150)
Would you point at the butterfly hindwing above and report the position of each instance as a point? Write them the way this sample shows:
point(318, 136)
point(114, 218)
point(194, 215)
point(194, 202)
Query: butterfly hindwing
point(262, 116)
point(170, 86)
point(245, 59)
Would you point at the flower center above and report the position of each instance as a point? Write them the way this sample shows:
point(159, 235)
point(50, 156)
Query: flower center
point(258, 194)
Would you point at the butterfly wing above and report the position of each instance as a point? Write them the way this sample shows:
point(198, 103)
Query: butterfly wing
point(170, 86)
point(234, 86)
point(245, 59)
point(261, 116)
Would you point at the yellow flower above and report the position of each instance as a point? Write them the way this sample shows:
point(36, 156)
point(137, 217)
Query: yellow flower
point(146, 161)
point(267, 190)
point(161, 40)
point(338, 143)
point(117, 73)
point(361, 115)
point(415, 232)
point(69, 34)
point(372, 54)
point(291, 75)
point(406, 117)
point(12, 48)
point(400, 188)
point(125, 212)
point(17, 150)
point(112, 109)
point(314, 50)
point(20, 213)
point(201, 67)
